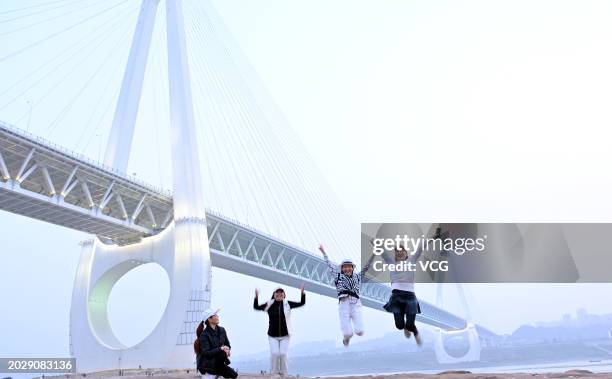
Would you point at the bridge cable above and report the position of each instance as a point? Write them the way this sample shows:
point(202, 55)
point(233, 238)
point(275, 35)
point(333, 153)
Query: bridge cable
point(46, 64)
point(57, 33)
point(24, 27)
point(227, 93)
point(32, 7)
point(304, 194)
point(53, 125)
point(254, 168)
point(291, 150)
point(39, 12)
point(300, 193)
point(92, 49)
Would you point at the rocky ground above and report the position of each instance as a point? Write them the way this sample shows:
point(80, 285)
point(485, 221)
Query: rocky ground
point(182, 374)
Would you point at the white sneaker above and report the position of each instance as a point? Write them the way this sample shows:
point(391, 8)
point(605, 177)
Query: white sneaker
point(418, 339)
point(407, 333)
point(346, 341)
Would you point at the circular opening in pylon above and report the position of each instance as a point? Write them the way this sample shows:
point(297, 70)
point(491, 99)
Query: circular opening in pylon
point(137, 302)
point(457, 346)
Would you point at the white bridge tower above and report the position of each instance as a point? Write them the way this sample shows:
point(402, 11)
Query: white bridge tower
point(181, 249)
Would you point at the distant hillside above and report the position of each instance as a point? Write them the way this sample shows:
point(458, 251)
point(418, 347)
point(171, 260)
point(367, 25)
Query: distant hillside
point(595, 329)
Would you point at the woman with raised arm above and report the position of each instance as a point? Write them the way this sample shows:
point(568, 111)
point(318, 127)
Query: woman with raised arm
point(403, 302)
point(348, 284)
point(279, 326)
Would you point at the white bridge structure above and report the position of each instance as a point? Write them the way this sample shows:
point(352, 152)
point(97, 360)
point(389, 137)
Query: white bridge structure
point(133, 223)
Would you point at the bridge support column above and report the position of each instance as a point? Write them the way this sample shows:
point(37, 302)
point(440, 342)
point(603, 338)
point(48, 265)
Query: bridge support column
point(92, 341)
point(181, 249)
point(473, 352)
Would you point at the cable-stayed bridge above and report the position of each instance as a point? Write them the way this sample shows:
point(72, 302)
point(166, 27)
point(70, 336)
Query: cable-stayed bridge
point(94, 199)
point(135, 223)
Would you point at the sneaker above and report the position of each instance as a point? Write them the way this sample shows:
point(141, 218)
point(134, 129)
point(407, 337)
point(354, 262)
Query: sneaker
point(346, 341)
point(418, 339)
point(407, 333)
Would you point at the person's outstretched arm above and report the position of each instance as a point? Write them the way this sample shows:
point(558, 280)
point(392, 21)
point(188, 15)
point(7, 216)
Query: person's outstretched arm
point(367, 266)
point(256, 305)
point(386, 254)
point(415, 257)
point(295, 304)
point(333, 269)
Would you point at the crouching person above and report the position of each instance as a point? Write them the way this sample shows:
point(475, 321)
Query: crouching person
point(215, 349)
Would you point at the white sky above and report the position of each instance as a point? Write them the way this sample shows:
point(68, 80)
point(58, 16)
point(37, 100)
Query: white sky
point(414, 112)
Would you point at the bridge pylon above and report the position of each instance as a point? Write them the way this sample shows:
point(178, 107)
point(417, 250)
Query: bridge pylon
point(92, 341)
point(182, 248)
point(471, 355)
point(469, 332)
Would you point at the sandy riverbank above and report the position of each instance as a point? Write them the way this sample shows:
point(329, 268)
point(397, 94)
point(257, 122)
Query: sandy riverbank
point(182, 374)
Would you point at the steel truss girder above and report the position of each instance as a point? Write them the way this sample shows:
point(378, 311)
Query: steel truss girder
point(92, 198)
point(286, 264)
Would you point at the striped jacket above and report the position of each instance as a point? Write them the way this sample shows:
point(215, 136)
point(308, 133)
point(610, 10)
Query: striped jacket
point(346, 285)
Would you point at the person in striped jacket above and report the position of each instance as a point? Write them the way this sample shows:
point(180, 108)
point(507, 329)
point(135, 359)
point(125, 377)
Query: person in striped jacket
point(348, 283)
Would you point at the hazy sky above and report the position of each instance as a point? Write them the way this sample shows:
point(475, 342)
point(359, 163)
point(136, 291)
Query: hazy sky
point(414, 112)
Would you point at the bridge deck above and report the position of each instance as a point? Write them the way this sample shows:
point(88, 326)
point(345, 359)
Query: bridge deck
point(46, 182)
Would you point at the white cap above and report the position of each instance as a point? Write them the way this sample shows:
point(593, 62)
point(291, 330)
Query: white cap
point(209, 313)
point(347, 261)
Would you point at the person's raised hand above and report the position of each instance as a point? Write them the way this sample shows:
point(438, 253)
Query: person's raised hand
point(438, 233)
point(321, 248)
point(256, 292)
point(302, 288)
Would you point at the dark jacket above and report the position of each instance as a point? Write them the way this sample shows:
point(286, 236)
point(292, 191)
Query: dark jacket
point(277, 326)
point(212, 359)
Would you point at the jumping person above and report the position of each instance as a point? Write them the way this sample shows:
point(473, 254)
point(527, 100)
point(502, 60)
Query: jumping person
point(279, 327)
point(348, 284)
point(403, 303)
point(214, 349)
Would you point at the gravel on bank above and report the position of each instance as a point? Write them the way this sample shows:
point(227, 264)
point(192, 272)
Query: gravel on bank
point(456, 374)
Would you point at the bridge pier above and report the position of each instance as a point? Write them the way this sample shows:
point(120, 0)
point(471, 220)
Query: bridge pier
point(178, 250)
point(473, 352)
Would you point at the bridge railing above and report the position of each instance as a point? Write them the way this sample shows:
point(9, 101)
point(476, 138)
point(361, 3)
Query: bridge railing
point(42, 180)
point(81, 157)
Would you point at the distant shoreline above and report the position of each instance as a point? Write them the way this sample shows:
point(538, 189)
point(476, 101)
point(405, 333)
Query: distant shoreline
point(527, 358)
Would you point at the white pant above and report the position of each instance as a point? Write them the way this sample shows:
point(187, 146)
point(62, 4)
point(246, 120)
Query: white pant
point(209, 376)
point(279, 346)
point(349, 308)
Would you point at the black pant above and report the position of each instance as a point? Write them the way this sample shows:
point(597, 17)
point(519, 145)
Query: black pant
point(408, 323)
